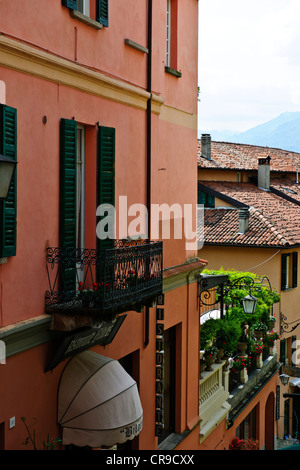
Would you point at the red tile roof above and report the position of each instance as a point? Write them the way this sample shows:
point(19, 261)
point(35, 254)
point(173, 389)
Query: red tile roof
point(189, 266)
point(232, 156)
point(279, 215)
point(221, 227)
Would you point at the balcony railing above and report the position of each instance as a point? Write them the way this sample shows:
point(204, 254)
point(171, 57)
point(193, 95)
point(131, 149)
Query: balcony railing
point(85, 280)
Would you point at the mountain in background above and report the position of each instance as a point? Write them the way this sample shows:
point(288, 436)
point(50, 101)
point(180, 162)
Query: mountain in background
point(282, 132)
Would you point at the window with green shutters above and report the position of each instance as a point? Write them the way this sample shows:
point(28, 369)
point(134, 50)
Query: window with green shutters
point(8, 207)
point(102, 12)
point(72, 4)
point(106, 178)
point(206, 199)
point(68, 183)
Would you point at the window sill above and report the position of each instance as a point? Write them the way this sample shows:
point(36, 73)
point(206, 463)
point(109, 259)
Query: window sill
point(136, 46)
point(85, 19)
point(173, 72)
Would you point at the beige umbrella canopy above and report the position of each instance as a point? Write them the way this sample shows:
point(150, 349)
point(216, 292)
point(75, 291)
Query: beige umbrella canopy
point(98, 402)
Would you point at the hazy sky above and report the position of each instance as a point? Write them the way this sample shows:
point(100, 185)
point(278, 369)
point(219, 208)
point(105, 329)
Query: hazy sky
point(249, 62)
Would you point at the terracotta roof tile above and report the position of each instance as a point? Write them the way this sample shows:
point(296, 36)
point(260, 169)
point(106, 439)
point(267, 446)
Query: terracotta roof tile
point(282, 214)
point(221, 227)
point(190, 266)
point(232, 156)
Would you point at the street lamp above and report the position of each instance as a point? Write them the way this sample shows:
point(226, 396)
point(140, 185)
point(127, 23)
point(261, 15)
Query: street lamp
point(284, 378)
point(249, 303)
point(7, 167)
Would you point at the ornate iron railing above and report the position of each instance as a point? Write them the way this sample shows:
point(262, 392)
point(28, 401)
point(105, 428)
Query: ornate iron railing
point(82, 280)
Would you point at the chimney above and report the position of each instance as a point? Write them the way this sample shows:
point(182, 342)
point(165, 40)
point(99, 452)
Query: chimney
point(263, 177)
point(243, 220)
point(206, 146)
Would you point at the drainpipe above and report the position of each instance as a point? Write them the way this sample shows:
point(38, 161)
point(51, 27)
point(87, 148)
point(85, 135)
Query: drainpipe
point(148, 155)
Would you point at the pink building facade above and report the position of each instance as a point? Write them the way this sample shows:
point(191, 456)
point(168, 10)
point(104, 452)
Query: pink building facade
point(98, 104)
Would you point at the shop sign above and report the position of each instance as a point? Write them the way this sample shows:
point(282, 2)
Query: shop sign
point(159, 384)
point(77, 342)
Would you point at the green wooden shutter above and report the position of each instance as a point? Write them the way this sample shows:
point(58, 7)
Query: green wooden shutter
point(295, 269)
point(210, 200)
point(283, 351)
point(102, 12)
point(283, 271)
point(68, 183)
point(201, 197)
point(72, 4)
point(294, 350)
point(106, 176)
point(8, 207)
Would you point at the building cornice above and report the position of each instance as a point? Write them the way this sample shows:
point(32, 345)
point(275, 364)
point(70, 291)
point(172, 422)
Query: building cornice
point(27, 59)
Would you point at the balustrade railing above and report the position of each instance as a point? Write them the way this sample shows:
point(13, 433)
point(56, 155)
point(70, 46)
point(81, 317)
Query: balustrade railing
point(104, 280)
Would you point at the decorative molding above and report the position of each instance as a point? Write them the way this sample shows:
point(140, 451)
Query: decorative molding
point(23, 58)
point(27, 334)
point(27, 59)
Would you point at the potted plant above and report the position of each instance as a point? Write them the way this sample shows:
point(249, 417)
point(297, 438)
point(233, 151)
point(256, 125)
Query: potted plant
point(210, 355)
point(227, 335)
point(240, 363)
point(258, 329)
point(272, 322)
point(243, 343)
point(270, 339)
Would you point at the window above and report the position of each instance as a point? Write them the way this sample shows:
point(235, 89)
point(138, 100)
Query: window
point(206, 199)
point(247, 428)
point(8, 207)
point(80, 190)
point(72, 187)
point(169, 392)
point(283, 351)
point(289, 270)
point(84, 6)
point(171, 38)
point(168, 62)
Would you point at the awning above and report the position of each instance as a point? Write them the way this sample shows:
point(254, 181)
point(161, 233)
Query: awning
point(98, 402)
point(295, 382)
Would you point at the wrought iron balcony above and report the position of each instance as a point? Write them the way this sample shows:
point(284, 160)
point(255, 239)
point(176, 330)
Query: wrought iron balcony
point(86, 281)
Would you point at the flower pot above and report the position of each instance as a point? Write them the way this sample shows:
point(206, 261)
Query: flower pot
point(242, 347)
point(272, 323)
point(210, 360)
point(202, 369)
point(220, 354)
point(258, 334)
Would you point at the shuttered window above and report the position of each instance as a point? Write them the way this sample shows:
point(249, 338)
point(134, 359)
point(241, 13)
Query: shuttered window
point(283, 351)
point(295, 270)
point(72, 4)
point(289, 270)
point(68, 182)
point(8, 207)
point(102, 12)
point(106, 177)
point(206, 199)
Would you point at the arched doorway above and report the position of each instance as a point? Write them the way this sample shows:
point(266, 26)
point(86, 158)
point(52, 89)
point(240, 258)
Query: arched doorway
point(269, 422)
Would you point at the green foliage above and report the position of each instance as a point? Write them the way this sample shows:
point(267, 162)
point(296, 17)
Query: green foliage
point(225, 333)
